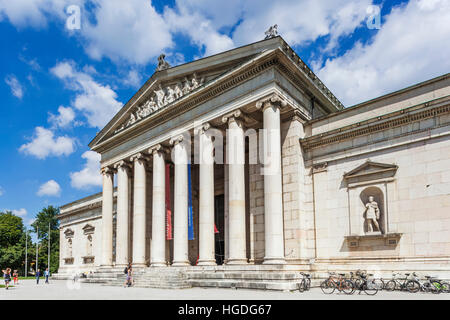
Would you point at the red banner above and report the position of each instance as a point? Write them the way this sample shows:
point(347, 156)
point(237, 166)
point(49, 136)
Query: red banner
point(168, 210)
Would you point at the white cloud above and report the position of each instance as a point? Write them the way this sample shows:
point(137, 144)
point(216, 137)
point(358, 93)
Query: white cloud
point(97, 102)
point(131, 30)
point(411, 46)
point(44, 144)
point(64, 118)
point(50, 188)
point(20, 212)
point(133, 79)
point(15, 86)
point(90, 175)
point(298, 21)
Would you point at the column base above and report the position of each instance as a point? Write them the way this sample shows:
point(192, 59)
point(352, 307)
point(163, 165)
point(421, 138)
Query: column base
point(237, 261)
point(181, 264)
point(139, 265)
point(158, 264)
point(277, 260)
point(205, 262)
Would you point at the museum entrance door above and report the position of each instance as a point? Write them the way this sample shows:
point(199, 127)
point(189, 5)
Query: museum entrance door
point(219, 213)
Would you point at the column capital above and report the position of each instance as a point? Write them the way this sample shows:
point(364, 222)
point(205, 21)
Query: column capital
point(274, 100)
point(175, 140)
point(202, 128)
point(157, 148)
point(122, 164)
point(107, 170)
point(139, 157)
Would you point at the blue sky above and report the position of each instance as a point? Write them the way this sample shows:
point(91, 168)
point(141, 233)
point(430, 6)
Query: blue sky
point(58, 87)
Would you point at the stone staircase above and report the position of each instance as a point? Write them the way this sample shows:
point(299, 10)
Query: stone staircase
point(163, 278)
point(263, 280)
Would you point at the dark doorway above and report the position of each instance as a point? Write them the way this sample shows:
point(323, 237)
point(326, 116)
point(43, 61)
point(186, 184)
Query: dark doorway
point(219, 233)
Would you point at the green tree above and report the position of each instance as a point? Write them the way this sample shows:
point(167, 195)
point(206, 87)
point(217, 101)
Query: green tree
point(45, 217)
point(12, 242)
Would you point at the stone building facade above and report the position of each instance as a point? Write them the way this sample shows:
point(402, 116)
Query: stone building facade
point(364, 187)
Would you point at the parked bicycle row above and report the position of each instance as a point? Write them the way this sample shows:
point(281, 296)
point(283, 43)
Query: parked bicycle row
point(366, 282)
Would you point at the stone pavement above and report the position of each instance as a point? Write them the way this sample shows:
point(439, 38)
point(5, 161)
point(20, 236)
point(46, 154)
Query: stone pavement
point(67, 290)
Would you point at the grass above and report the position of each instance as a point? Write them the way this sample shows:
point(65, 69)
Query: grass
point(3, 286)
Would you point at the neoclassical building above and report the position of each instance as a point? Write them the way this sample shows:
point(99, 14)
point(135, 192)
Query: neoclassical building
point(280, 176)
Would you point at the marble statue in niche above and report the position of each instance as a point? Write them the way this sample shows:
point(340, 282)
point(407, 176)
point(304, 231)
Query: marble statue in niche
point(372, 216)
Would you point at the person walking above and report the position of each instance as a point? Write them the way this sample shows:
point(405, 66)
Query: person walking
point(130, 276)
point(38, 274)
point(127, 272)
point(7, 277)
point(46, 274)
point(16, 277)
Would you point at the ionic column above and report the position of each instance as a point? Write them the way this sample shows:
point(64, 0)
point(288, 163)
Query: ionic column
point(273, 190)
point(123, 236)
point(158, 245)
point(206, 216)
point(180, 226)
point(235, 153)
point(139, 209)
point(107, 216)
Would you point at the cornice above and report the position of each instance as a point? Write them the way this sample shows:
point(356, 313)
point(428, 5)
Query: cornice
point(381, 123)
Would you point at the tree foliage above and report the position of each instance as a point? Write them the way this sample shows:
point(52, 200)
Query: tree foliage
point(13, 237)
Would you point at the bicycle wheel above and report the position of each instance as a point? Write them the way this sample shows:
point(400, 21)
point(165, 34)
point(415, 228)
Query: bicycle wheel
point(412, 286)
point(307, 284)
point(370, 287)
point(390, 285)
point(358, 284)
point(327, 286)
point(348, 287)
point(435, 287)
point(379, 283)
point(301, 286)
point(445, 287)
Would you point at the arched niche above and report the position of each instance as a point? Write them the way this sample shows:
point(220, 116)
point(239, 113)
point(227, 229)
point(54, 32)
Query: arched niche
point(378, 197)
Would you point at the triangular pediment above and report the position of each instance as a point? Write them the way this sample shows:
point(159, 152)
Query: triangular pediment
point(371, 168)
point(169, 86)
point(173, 90)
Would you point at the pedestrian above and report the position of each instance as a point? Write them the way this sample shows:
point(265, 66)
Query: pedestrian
point(46, 274)
point(7, 277)
point(38, 274)
point(16, 277)
point(130, 276)
point(126, 272)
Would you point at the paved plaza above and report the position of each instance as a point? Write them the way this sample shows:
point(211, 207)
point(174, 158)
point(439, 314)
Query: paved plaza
point(66, 290)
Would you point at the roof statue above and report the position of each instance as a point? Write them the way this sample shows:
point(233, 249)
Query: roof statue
point(272, 32)
point(162, 64)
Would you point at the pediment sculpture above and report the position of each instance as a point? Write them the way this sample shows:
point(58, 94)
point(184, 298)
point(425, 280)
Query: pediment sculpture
point(162, 97)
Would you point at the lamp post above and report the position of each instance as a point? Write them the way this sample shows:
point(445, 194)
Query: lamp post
point(37, 246)
point(48, 264)
point(26, 253)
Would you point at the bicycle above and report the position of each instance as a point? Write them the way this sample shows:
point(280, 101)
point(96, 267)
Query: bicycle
point(365, 284)
point(432, 284)
point(412, 286)
point(305, 284)
point(333, 282)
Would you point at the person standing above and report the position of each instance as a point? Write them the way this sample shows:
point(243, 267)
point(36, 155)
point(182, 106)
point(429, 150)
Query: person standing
point(46, 274)
point(38, 274)
point(16, 277)
point(7, 276)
